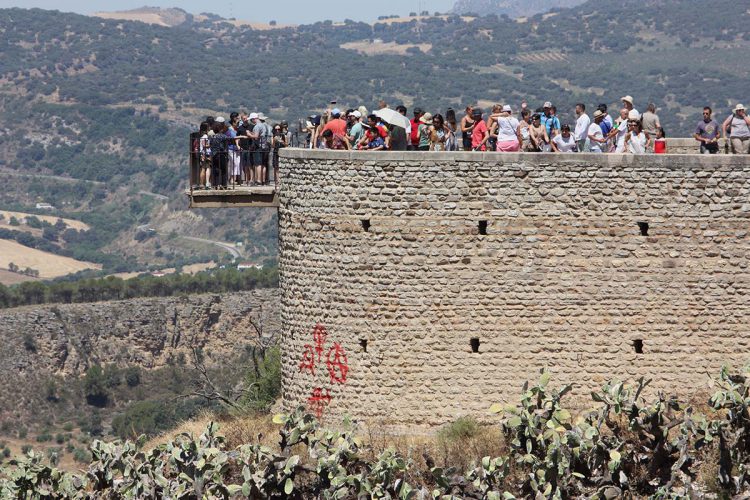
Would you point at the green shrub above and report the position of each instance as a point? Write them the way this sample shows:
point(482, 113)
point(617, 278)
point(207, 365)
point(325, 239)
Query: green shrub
point(44, 437)
point(25, 448)
point(68, 426)
point(264, 381)
point(95, 387)
point(460, 430)
point(59, 438)
point(6, 452)
point(132, 376)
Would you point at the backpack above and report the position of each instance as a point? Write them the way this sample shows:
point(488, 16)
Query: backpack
point(264, 138)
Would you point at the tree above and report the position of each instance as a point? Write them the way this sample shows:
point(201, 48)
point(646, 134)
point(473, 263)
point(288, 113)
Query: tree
point(94, 387)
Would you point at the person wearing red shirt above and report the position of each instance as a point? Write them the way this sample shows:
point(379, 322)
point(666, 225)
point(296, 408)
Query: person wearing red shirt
point(337, 125)
point(480, 134)
point(414, 137)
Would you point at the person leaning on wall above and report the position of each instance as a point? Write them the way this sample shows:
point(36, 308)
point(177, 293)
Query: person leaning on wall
point(739, 137)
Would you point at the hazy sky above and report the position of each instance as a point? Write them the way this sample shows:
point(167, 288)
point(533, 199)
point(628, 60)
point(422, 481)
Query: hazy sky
point(283, 11)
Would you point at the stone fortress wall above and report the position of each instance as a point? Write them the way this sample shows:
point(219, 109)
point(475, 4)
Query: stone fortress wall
point(420, 287)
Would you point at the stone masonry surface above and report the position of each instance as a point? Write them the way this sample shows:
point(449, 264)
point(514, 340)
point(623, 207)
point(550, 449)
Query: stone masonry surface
point(149, 332)
point(584, 256)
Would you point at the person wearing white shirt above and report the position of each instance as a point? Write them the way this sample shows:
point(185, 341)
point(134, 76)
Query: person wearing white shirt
point(507, 130)
point(596, 136)
point(582, 126)
point(565, 142)
point(636, 141)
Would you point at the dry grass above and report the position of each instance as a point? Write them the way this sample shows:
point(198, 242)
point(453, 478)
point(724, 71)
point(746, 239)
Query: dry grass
point(9, 278)
point(370, 49)
point(49, 265)
point(71, 223)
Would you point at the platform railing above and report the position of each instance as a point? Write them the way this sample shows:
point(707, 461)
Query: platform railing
point(231, 169)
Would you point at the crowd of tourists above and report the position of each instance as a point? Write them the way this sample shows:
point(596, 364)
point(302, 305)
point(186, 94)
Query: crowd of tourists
point(243, 150)
point(504, 129)
point(240, 151)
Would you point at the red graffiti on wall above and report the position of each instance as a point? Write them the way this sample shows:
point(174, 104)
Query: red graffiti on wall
point(337, 364)
point(308, 359)
point(319, 401)
point(320, 334)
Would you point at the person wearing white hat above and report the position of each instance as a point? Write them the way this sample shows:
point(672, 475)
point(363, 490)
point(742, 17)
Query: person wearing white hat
point(596, 136)
point(739, 136)
point(627, 102)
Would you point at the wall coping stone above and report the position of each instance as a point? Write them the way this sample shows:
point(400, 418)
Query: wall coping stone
point(604, 160)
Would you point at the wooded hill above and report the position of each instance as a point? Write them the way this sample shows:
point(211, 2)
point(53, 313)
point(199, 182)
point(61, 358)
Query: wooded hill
point(112, 101)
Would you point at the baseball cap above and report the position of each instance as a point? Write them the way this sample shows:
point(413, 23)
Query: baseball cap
point(219, 119)
point(356, 114)
point(547, 105)
point(507, 109)
point(253, 116)
point(336, 111)
point(634, 115)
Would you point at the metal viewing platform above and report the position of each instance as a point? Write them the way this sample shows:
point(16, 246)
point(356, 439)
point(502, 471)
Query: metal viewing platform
point(234, 196)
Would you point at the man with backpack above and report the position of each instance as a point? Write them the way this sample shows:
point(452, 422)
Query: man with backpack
point(262, 134)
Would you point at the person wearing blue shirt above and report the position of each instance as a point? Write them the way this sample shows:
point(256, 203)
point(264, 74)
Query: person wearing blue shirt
point(550, 121)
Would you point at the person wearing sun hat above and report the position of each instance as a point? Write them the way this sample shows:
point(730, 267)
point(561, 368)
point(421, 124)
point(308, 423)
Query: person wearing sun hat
point(739, 136)
point(423, 132)
point(627, 102)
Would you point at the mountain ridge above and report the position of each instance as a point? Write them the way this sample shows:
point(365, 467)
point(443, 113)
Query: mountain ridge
point(511, 8)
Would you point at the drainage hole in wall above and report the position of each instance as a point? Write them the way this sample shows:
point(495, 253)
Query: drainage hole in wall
point(483, 227)
point(363, 344)
point(643, 226)
point(638, 346)
point(366, 225)
point(474, 344)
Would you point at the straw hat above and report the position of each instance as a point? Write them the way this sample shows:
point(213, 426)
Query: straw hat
point(627, 99)
point(739, 107)
point(426, 118)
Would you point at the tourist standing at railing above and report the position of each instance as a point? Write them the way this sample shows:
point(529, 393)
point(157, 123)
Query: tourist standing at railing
point(538, 137)
point(245, 144)
point(565, 142)
point(627, 103)
point(414, 132)
point(549, 120)
point(452, 123)
point(707, 133)
point(423, 132)
point(524, 128)
point(204, 150)
point(219, 143)
point(637, 141)
point(235, 171)
point(617, 134)
point(438, 133)
point(467, 127)
point(402, 111)
point(583, 122)
point(506, 130)
point(357, 130)
point(479, 134)
point(739, 136)
point(597, 140)
point(280, 141)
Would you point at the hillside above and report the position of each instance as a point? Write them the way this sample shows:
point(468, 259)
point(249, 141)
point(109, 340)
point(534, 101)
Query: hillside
point(52, 351)
point(108, 103)
point(512, 8)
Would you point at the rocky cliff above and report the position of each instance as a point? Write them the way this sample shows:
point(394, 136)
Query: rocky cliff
point(62, 341)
